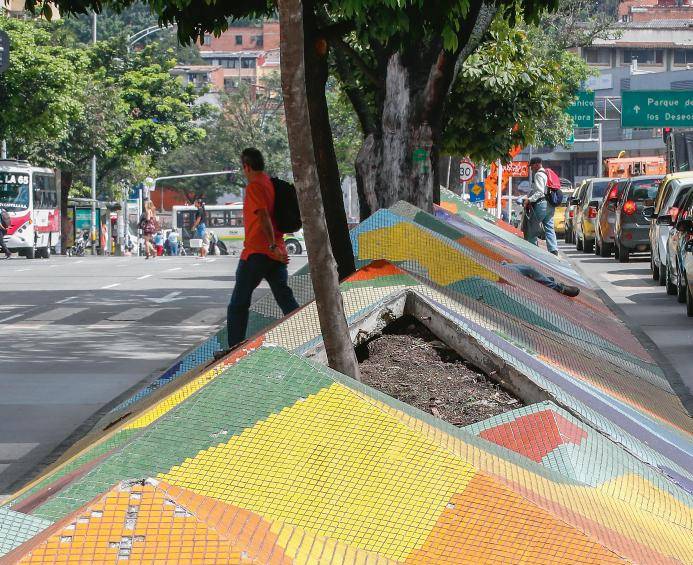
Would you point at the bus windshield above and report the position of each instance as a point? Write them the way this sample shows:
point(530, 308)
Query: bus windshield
point(14, 191)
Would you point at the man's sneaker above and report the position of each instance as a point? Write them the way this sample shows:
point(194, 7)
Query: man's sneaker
point(554, 253)
point(568, 290)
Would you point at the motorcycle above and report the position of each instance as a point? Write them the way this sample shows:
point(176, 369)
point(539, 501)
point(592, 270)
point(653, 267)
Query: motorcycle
point(80, 246)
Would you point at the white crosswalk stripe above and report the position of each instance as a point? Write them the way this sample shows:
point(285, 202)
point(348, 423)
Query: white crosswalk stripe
point(43, 318)
point(133, 314)
point(206, 317)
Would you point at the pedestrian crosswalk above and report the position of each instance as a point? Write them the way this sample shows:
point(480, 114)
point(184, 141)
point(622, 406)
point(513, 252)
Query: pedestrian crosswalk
point(22, 317)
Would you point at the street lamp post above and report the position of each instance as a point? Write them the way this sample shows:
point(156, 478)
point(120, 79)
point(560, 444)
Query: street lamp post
point(93, 161)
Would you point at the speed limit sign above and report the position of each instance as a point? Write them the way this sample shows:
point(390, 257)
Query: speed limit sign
point(466, 170)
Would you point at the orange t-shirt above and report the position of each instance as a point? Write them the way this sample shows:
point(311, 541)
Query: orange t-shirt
point(259, 195)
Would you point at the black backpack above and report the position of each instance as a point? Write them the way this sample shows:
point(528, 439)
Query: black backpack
point(5, 220)
point(287, 214)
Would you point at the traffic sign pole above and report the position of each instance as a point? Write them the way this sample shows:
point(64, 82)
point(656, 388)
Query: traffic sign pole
point(4, 64)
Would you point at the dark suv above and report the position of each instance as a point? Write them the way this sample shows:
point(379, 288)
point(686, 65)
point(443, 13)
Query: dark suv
point(632, 226)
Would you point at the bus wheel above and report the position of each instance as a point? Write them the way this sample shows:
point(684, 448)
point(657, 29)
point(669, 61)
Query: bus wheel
point(30, 253)
point(44, 252)
point(293, 247)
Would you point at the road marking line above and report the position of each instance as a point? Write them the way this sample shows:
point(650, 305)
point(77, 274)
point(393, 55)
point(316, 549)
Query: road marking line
point(110, 286)
point(133, 314)
point(64, 300)
point(143, 277)
point(10, 318)
point(209, 315)
point(175, 269)
point(55, 314)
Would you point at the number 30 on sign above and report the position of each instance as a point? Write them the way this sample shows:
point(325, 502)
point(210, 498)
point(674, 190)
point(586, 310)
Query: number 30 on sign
point(466, 170)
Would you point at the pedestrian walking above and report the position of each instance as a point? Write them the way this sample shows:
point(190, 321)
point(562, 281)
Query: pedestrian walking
point(199, 227)
point(5, 223)
point(158, 241)
point(264, 254)
point(538, 210)
point(148, 225)
point(173, 241)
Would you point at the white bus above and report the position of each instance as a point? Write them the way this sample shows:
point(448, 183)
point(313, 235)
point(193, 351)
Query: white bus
point(226, 221)
point(31, 196)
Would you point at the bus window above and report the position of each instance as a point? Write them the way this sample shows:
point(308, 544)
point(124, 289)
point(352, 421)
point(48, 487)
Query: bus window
point(217, 218)
point(45, 192)
point(235, 218)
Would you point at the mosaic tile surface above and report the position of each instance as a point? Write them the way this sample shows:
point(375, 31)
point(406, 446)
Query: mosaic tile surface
point(16, 528)
point(277, 459)
point(397, 486)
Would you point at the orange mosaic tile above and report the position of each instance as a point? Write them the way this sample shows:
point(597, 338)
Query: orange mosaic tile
point(374, 270)
point(488, 523)
point(138, 523)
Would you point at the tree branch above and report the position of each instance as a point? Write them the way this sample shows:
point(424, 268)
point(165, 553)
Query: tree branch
point(355, 95)
point(356, 58)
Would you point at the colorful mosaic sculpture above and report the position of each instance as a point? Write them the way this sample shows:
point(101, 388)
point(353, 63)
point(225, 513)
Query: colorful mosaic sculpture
point(270, 457)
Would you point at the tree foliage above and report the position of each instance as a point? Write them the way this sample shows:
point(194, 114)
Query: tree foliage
point(249, 117)
point(511, 92)
point(41, 92)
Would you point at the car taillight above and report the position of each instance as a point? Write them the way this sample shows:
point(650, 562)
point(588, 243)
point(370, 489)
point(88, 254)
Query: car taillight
point(629, 207)
point(673, 212)
point(613, 194)
point(591, 212)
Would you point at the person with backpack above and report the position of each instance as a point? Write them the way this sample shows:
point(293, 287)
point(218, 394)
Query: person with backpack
point(264, 254)
point(541, 204)
point(5, 224)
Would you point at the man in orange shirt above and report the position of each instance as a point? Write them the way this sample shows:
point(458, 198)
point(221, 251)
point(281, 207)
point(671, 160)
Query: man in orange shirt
point(264, 254)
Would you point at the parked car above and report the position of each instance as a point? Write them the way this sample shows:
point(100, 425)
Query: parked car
point(559, 212)
point(632, 226)
point(606, 218)
point(678, 246)
point(586, 213)
point(667, 203)
point(684, 225)
point(569, 213)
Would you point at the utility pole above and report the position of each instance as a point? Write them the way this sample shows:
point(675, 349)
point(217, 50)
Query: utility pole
point(93, 162)
point(600, 155)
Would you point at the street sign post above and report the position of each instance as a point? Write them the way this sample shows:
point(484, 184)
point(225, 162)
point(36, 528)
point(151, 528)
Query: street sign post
point(476, 192)
point(467, 170)
point(656, 108)
point(582, 110)
point(4, 51)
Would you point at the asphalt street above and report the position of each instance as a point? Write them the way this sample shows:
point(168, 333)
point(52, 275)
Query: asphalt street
point(77, 333)
point(647, 309)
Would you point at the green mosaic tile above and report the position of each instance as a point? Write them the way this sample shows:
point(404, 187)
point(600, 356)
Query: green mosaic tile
point(263, 383)
point(433, 224)
point(16, 528)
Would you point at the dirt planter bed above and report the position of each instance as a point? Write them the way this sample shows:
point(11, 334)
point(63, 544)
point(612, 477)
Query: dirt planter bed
point(406, 361)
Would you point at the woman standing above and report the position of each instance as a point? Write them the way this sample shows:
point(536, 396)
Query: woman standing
point(149, 225)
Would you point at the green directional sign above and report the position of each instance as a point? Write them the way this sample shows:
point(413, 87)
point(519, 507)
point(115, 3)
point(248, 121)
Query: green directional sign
point(582, 110)
point(656, 108)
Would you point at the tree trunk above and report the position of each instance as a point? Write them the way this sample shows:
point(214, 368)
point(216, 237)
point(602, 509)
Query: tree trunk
point(65, 185)
point(325, 157)
point(400, 160)
point(323, 272)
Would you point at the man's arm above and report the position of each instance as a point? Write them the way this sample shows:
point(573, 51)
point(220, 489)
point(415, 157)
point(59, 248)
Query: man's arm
point(268, 231)
point(538, 187)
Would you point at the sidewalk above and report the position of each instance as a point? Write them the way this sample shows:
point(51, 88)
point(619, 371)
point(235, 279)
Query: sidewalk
point(655, 317)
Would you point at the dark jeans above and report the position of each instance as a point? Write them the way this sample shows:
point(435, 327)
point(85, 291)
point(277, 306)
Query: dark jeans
point(249, 275)
point(3, 248)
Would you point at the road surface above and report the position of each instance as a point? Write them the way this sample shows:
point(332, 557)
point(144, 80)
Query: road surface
point(77, 333)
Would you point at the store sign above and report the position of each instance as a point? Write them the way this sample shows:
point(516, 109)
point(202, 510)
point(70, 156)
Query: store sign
point(517, 169)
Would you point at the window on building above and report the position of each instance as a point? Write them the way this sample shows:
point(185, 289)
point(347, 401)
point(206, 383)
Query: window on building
point(230, 83)
point(207, 40)
point(239, 40)
point(258, 40)
point(248, 62)
point(683, 56)
point(596, 56)
point(643, 56)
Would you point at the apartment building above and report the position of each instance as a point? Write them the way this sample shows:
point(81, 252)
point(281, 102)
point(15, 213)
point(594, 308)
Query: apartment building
point(245, 53)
